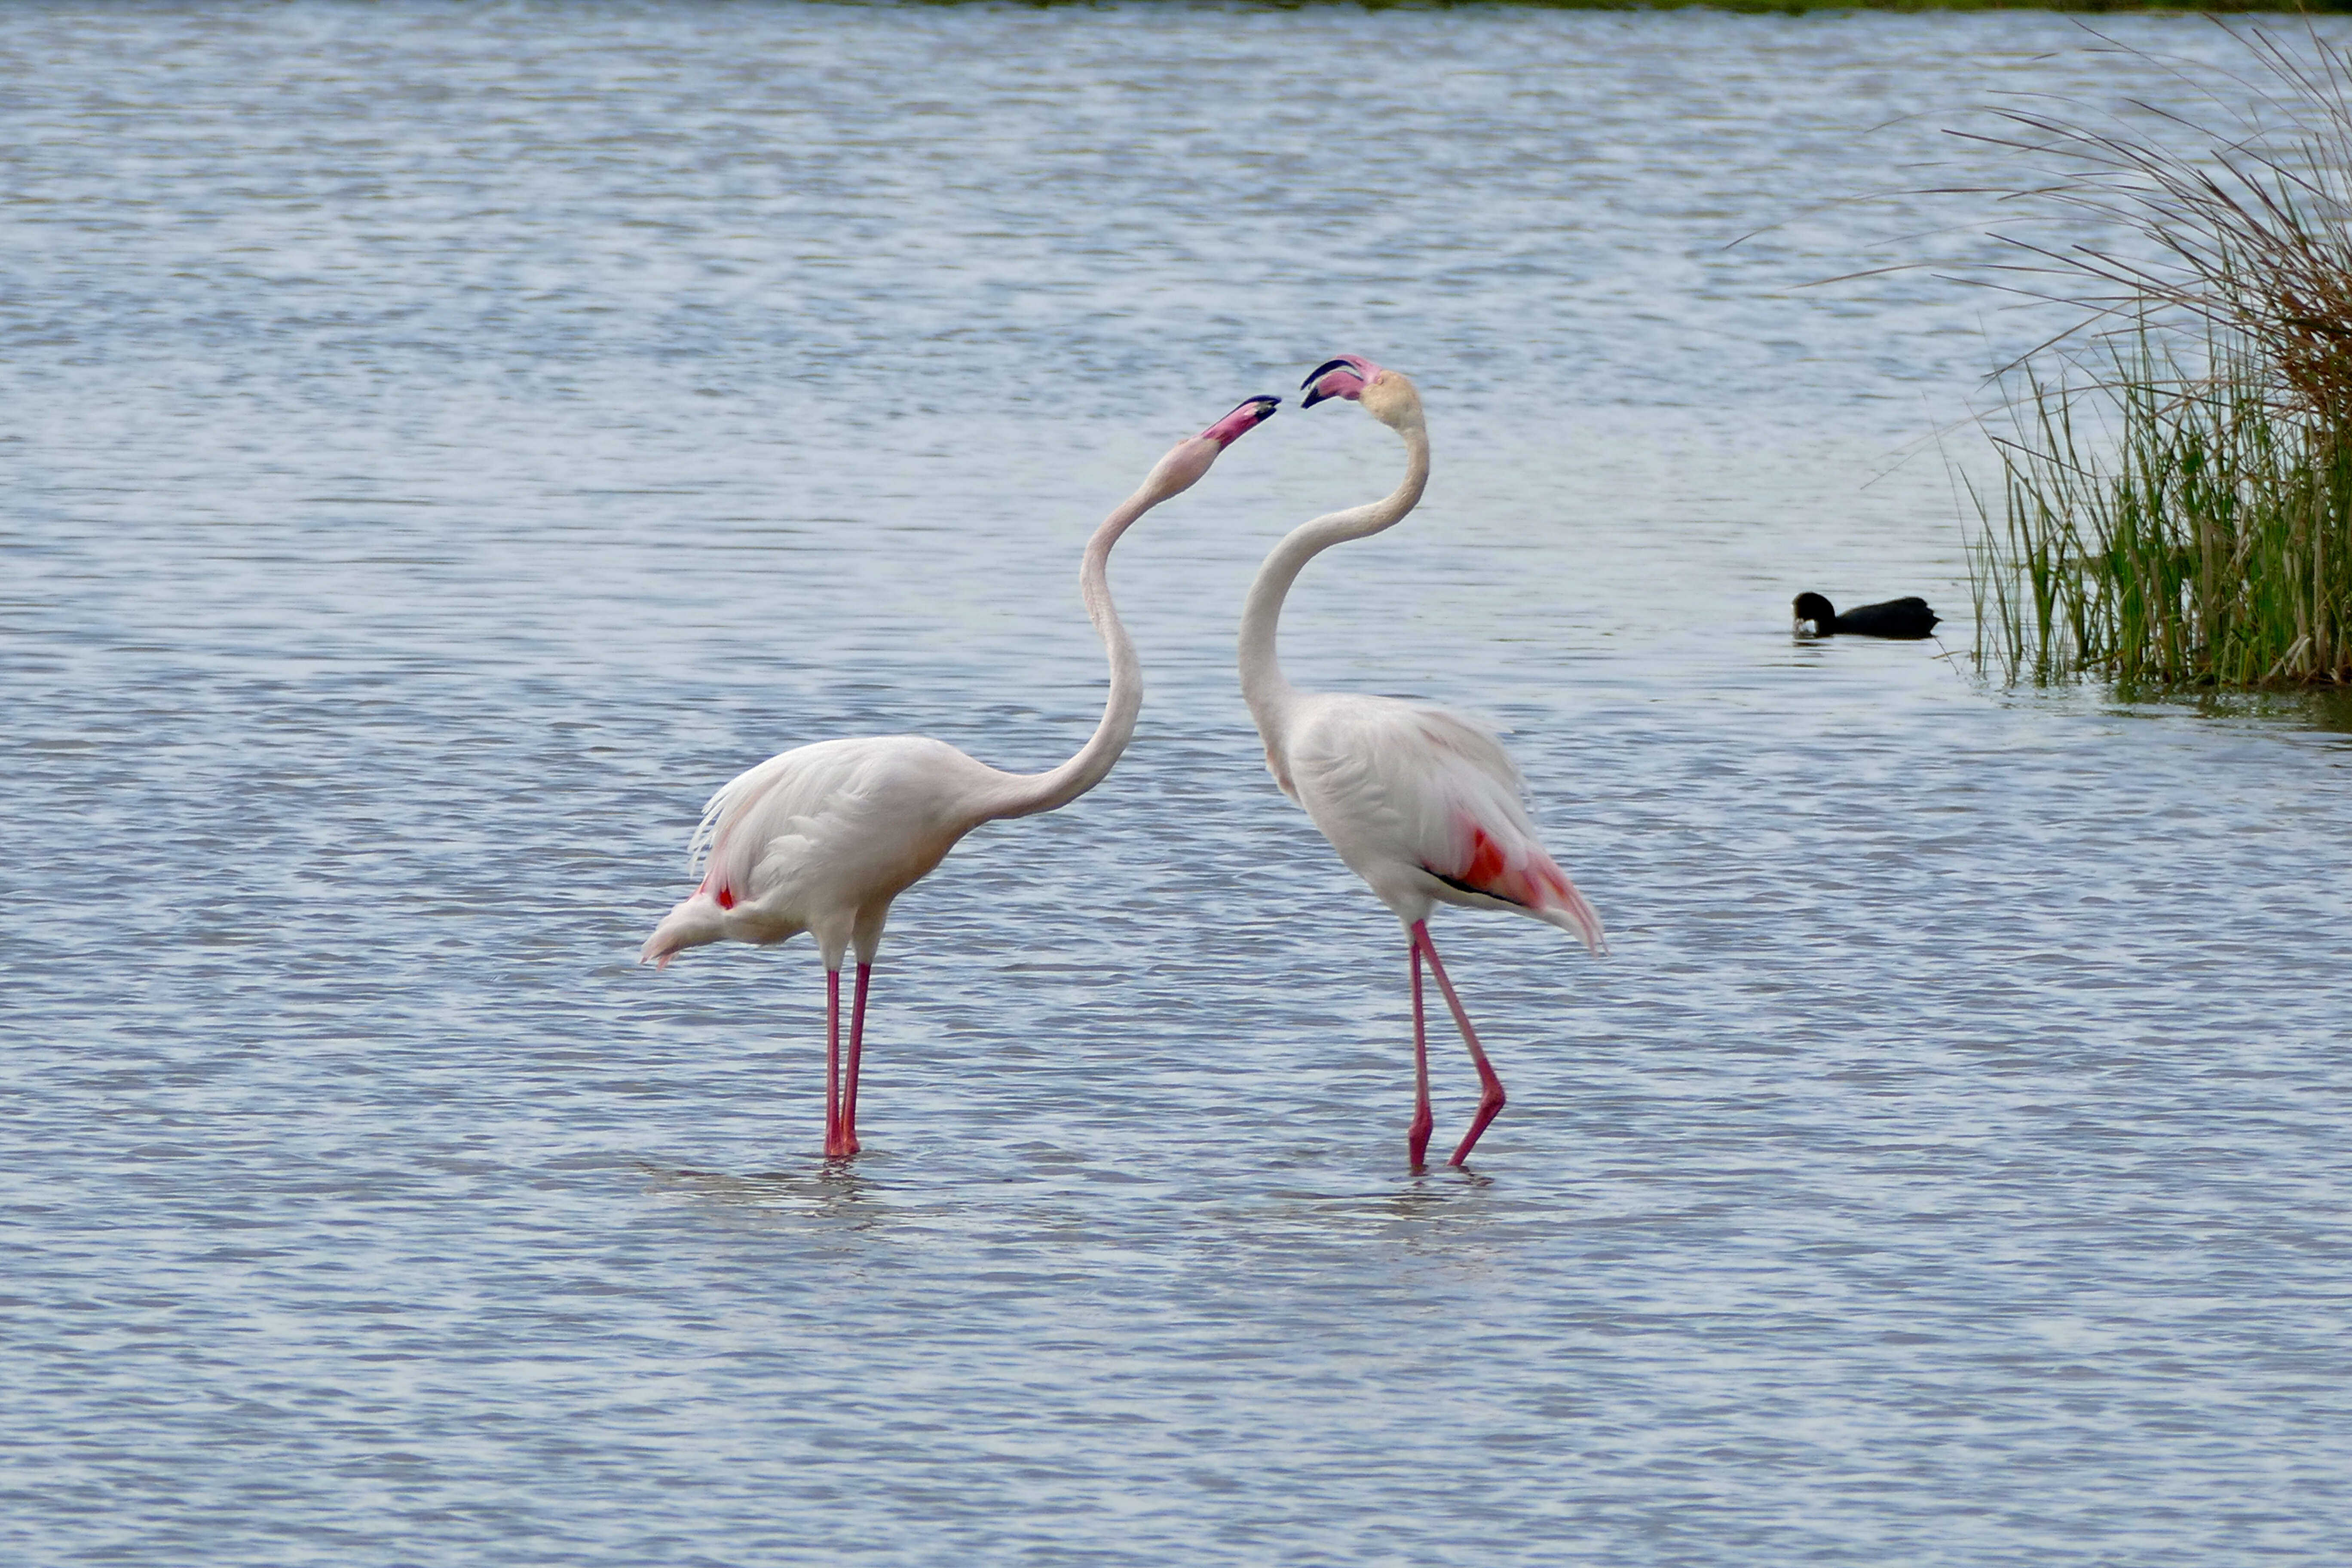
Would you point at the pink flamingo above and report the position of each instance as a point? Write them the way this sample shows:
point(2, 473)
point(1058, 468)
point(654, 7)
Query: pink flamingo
point(822, 838)
point(1422, 804)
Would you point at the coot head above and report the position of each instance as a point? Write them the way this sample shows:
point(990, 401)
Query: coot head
point(1814, 608)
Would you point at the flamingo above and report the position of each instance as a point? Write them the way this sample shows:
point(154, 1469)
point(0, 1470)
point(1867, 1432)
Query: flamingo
point(1422, 804)
point(822, 838)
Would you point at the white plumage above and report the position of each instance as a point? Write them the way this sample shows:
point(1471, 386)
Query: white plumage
point(1426, 807)
point(822, 838)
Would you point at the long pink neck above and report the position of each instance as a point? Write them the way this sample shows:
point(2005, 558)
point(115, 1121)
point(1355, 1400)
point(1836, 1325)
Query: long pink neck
point(1268, 692)
point(1026, 794)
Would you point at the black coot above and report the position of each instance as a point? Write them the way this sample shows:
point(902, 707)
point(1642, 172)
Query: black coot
point(1894, 618)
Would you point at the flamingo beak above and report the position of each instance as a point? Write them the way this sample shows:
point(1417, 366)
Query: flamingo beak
point(1244, 420)
point(1345, 376)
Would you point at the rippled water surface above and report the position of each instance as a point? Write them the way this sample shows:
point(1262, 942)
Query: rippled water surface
point(444, 443)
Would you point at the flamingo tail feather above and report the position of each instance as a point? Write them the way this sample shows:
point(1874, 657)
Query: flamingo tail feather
point(694, 922)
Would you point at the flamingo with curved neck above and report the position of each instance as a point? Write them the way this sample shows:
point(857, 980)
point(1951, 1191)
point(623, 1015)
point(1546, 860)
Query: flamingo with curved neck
point(1422, 804)
point(821, 839)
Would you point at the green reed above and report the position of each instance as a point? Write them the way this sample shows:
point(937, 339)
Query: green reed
point(2205, 539)
point(2167, 526)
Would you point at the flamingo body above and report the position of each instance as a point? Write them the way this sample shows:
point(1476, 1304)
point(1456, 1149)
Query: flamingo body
point(1426, 807)
point(822, 838)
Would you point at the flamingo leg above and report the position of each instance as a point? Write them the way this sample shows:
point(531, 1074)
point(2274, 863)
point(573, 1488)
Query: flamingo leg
point(1491, 1098)
point(1416, 1135)
point(833, 1145)
point(857, 1048)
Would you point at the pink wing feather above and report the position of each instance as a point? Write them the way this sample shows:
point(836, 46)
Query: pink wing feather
point(1391, 781)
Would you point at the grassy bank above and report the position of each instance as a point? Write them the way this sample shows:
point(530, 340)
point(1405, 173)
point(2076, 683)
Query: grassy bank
point(2175, 507)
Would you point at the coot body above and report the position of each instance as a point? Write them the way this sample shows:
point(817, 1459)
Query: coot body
point(1894, 618)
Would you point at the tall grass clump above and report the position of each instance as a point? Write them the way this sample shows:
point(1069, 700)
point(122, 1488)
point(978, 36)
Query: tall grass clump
point(2175, 507)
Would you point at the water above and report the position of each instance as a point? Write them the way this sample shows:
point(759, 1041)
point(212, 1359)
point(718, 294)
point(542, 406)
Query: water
point(443, 443)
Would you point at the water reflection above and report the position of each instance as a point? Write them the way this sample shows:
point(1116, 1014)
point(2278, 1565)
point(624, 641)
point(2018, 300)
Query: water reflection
point(2332, 711)
point(828, 1184)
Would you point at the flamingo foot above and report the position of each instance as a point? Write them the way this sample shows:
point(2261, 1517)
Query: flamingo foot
point(1490, 1105)
point(1416, 1139)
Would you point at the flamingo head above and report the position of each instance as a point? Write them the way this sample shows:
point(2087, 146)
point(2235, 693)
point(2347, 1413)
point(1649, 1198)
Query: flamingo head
point(1388, 395)
point(1345, 376)
point(1186, 461)
point(1242, 420)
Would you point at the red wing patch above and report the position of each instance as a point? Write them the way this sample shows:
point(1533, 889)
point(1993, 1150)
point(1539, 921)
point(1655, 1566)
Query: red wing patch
point(1486, 864)
point(1536, 884)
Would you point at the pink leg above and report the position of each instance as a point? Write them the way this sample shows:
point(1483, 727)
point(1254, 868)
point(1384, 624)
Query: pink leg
point(857, 1046)
point(1417, 1136)
point(1490, 1100)
point(832, 1143)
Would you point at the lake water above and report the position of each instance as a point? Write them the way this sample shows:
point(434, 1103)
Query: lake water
point(443, 443)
